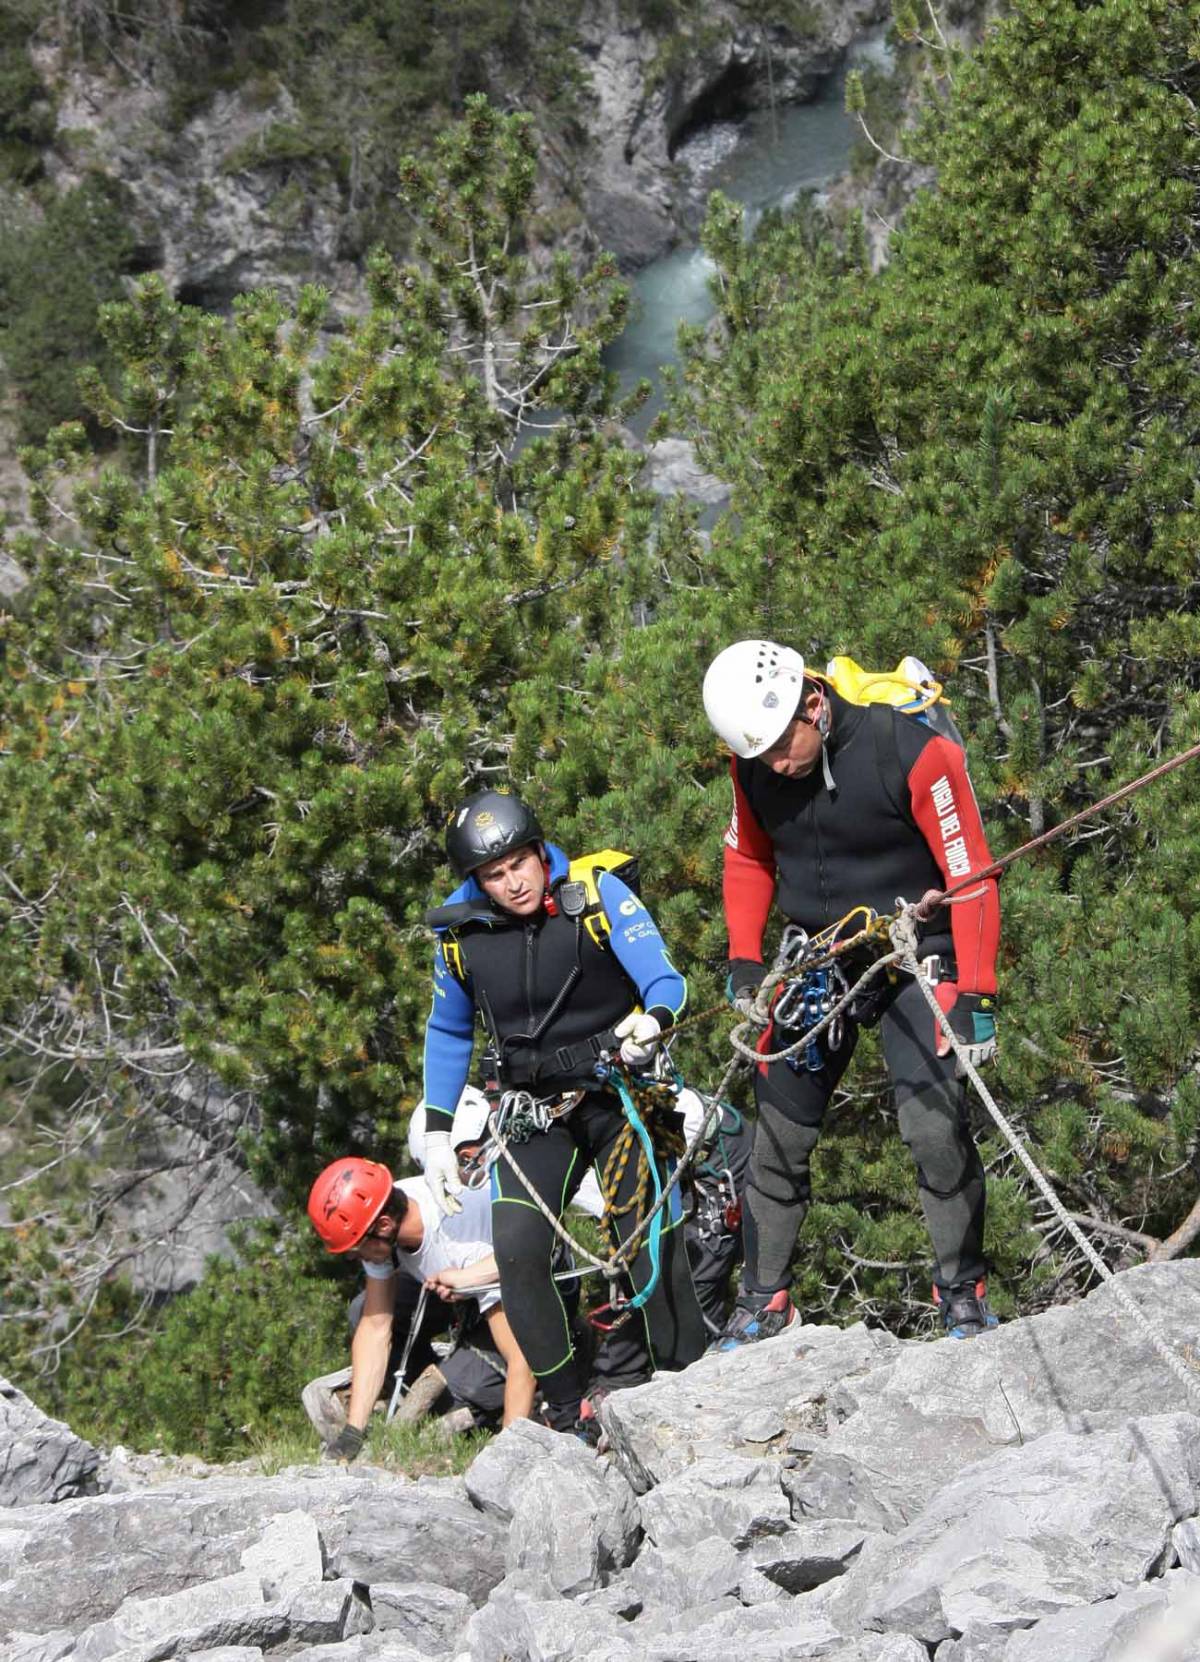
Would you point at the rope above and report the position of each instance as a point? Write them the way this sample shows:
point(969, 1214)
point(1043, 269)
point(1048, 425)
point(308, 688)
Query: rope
point(904, 937)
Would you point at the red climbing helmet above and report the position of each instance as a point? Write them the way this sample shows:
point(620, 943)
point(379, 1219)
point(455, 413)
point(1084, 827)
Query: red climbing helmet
point(346, 1199)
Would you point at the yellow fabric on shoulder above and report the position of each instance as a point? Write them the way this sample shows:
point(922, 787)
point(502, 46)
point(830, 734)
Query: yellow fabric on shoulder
point(587, 869)
point(910, 686)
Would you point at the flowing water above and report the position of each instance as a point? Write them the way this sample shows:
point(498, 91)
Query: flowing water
point(763, 162)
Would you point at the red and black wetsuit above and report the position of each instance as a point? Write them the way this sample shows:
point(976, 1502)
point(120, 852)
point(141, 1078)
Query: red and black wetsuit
point(901, 818)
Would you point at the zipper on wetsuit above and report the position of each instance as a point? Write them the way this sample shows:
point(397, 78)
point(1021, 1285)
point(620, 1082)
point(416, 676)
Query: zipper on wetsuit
point(530, 967)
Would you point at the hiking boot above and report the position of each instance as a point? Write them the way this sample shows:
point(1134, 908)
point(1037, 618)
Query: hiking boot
point(964, 1309)
point(756, 1316)
point(576, 1419)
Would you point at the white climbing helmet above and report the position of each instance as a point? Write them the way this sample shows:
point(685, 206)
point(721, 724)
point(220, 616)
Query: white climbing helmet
point(751, 693)
point(470, 1118)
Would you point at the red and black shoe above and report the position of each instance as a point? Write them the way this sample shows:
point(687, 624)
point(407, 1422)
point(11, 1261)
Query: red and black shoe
point(964, 1309)
point(756, 1316)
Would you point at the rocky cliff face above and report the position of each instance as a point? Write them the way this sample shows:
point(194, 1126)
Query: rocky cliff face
point(219, 210)
point(1033, 1496)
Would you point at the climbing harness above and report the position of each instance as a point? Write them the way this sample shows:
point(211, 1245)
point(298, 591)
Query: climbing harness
point(521, 1115)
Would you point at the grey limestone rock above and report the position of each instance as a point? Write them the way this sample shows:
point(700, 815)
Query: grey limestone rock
point(516, 1626)
point(915, 1421)
point(287, 1556)
point(659, 1430)
point(39, 1647)
point(680, 1579)
point(428, 1617)
point(808, 1554)
point(74, 1563)
point(736, 1498)
point(40, 1459)
point(575, 1525)
point(671, 469)
point(495, 1478)
point(327, 1613)
point(228, 1653)
point(229, 1610)
point(1066, 1520)
point(1185, 1538)
point(828, 1485)
point(421, 1534)
point(785, 1631)
point(1125, 1627)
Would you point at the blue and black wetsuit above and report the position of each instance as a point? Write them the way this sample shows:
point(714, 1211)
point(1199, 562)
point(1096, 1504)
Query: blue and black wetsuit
point(550, 989)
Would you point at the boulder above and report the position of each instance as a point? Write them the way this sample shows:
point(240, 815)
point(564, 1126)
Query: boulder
point(575, 1526)
point(1066, 1520)
point(327, 1613)
point(75, 1562)
point(826, 1485)
point(806, 1555)
point(659, 1430)
point(516, 1626)
point(680, 1579)
point(732, 1497)
point(421, 1614)
point(287, 1556)
point(40, 1458)
point(419, 1533)
point(785, 1631)
point(1125, 1627)
point(227, 1611)
point(916, 1420)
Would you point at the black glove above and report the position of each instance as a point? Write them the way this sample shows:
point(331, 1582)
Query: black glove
point(347, 1445)
point(973, 1018)
point(744, 979)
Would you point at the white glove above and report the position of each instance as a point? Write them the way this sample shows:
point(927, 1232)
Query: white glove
point(639, 1035)
point(441, 1172)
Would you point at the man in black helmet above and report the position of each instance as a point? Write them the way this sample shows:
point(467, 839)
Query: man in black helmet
point(566, 968)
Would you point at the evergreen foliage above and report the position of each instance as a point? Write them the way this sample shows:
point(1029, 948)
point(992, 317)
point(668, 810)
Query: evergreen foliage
point(251, 677)
point(220, 1373)
point(57, 268)
point(986, 454)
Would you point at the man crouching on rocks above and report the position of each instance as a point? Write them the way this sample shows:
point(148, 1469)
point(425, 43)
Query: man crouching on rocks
point(405, 1242)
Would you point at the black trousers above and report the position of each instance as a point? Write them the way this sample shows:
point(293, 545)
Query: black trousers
point(474, 1378)
point(931, 1108)
point(671, 1324)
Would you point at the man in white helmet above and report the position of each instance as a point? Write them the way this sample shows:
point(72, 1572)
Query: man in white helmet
point(838, 805)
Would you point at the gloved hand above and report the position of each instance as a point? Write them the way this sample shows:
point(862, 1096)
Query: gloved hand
point(346, 1446)
point(973, 1018)
point(640, 1036)
point(441, 1172)
point(741, 988)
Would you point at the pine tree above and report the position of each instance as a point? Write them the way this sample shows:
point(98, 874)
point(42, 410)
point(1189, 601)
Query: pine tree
point(256, 670)
point(986, 454)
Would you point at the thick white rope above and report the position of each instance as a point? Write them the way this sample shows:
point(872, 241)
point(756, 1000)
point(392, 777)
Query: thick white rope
point(904, 938)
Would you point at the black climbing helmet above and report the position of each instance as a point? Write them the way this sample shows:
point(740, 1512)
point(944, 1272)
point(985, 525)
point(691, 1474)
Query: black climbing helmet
point(486, 826)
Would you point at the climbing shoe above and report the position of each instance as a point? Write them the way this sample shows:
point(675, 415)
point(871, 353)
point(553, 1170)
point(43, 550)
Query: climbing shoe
point(756, 1316)
point(576, 1419)
point(964, 1309)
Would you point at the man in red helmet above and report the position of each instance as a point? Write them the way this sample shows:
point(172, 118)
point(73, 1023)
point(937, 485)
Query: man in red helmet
point(401, 1236)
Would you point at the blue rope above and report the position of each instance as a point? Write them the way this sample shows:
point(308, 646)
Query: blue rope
point(654, 1240)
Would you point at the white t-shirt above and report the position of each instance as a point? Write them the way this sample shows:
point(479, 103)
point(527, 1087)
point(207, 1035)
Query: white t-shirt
point(452, 1243)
